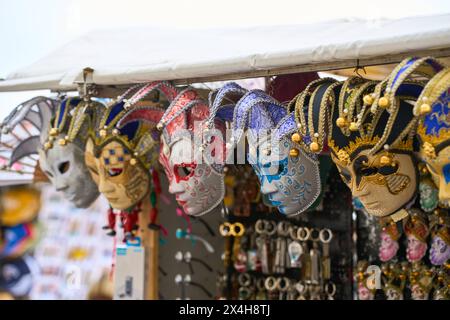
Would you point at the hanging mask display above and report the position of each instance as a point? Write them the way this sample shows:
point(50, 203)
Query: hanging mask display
point(289, 176)
point(62, 156)
point(193, 151)
point(373, 149)
point(18, 205)
point(389, 237)
point(440, 238)
point(434, 131)
point(416, 230)
point(121, 150)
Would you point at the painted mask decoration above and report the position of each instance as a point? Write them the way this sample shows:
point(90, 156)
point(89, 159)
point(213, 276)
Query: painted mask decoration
point(193, 150)
point(429, 195)
point(289, 176)
point(421, 280)
point(62, 156)
point(364, 293)
point(121, 150)
point(389, 242)
point(434, 132)
point(372, 148)
point(439, 225)
point(416, 230)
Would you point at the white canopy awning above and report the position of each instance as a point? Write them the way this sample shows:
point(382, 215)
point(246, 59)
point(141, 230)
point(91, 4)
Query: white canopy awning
point(126, 56)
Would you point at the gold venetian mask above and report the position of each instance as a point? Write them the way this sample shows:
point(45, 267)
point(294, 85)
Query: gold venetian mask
point(121, 182)
point(382, 188)
point(373, 149)
point(434, 131)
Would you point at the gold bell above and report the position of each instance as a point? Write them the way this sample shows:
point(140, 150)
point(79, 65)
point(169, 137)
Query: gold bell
point(314, 147)
point(368, 100)
point(384, 102)
point(53, 131)
point(425, 108)
point(115, 132)
point(103, 133)
point(48, 145)
point(133, 161)
point(62, 142)
point(385, 160)
point(293, 152)
point(353, 126)
point(296, 138)
point(340, 122)
point(159, 126)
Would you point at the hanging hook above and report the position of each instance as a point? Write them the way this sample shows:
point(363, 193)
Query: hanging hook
point(357, 68)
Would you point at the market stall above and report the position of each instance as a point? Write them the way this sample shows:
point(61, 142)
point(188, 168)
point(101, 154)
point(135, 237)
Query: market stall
point(292, 233)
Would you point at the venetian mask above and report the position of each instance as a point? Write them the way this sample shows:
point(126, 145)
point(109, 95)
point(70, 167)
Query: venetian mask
point(418, 293)
point(65, 168)
point(428, 195)
point(193, 150)
point(394, 294)
point(416, 230)
point(364, 293)
point(62, 156)
point(380, 187)
point(283, 178)
point(121, 183)
point(440, 246)
point(121, 150)
point(374, 154)
point(434, 132)
point(388, 246)
point(288, 175)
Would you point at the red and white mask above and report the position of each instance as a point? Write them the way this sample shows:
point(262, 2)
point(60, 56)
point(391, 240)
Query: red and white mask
point(194, 169)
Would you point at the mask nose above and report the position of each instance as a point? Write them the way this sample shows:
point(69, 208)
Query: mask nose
point(175, 187)
point(267, 187)
point(60, 184)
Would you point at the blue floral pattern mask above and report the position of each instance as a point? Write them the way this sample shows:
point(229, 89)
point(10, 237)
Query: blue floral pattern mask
point(290, 183)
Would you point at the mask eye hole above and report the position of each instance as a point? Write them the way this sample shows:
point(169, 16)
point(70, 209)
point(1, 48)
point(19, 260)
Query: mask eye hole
point(114, 172)
point(183, 171)
point(387, 170)
point(64, 167)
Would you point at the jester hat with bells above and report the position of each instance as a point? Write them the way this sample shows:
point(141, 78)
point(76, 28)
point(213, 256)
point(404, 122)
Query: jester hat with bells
point(289, 176)
point(373, 148)
point(193, 148)
point(120, 152)
point(62, 155)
